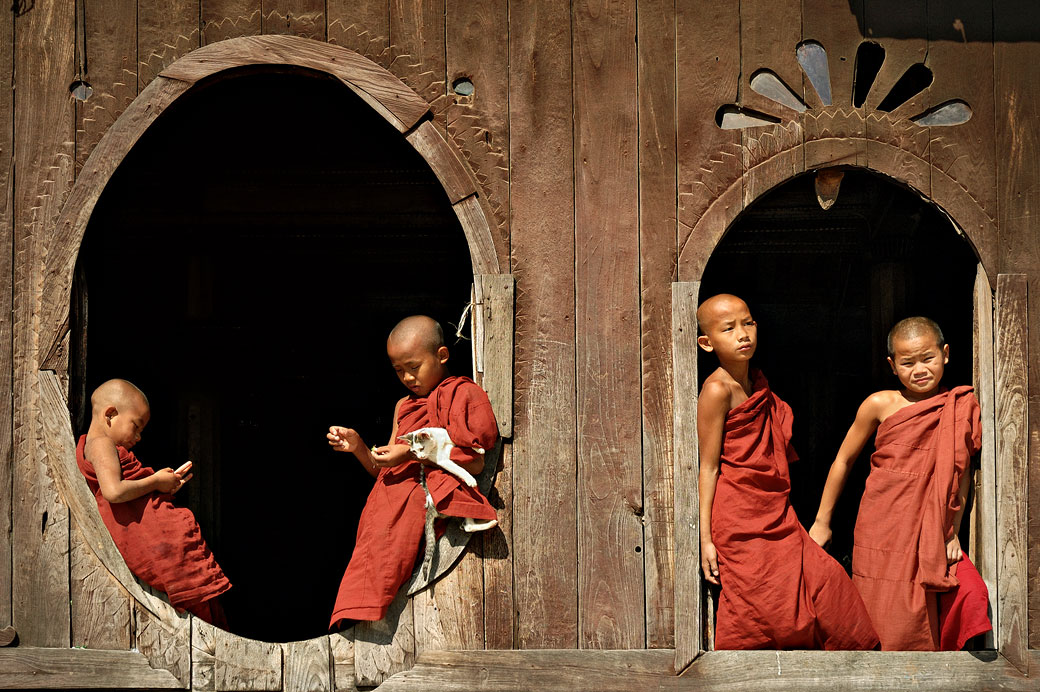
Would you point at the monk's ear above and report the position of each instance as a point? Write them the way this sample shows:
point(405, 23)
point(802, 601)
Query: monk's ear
point(442, 354)
point(705, 343)
point(946, 354)
point(110, 413)
point(892, 364)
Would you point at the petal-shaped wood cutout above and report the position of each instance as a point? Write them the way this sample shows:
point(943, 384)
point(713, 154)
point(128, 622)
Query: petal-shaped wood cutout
point(955, 112)
point(772, 87)
point(869, 58)
point(733, 117)
point(916, 79)
point(812, 56)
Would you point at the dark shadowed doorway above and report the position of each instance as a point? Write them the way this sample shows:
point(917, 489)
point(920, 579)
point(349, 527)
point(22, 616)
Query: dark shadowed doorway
point(825, 288)
point(243, 267)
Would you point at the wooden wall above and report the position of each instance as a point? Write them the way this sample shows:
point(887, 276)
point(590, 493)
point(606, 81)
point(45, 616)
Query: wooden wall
point(591, 130)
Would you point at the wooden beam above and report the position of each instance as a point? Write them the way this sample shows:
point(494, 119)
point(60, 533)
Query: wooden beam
point(28, 668)
point(444, 160)
point(477, 227)
point(689, 615)
point(1011, 327)
point(7, 233)
point(308, 666)
point(221, 660)
point(495, 303)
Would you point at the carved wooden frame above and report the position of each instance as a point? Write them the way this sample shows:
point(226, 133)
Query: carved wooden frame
point(180, 643)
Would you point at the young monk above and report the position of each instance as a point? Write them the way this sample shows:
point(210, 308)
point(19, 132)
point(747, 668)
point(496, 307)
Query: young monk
point(922, 591)
point(779, 589)
point(391, 526)
point(161, 543)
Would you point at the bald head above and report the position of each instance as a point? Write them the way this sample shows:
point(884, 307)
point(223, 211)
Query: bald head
point(714, 308)
point(118, 393)
point(911, 328)
point(420, 330)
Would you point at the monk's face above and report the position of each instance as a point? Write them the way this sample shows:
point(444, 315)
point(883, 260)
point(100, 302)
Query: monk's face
point(919, 363)
point(419, 368)
point(126, 422)
point(729, 330)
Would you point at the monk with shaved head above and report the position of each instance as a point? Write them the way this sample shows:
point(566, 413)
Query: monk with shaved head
point(779, 589)
point(391, 527)
point(161, 543)
point(922, 591)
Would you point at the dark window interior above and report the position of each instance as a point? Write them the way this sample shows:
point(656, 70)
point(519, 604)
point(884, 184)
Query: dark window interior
point(243, 267)
point(825, 287)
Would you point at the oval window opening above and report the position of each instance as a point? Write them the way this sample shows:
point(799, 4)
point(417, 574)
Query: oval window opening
point(243, 267)
point(825, 288)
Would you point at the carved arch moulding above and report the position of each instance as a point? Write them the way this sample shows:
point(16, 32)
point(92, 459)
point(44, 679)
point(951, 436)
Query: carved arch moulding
point(407, 112)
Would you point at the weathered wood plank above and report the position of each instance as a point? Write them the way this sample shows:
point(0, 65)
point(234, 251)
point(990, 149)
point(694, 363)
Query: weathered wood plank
point(100, 606)
point(496, 299)
point(224, 19)
point(477, 227)
point(341, 646)
point(1011, 327)
point(308, 666)
point(450, 614)
point(165, 31)
point(44, 127)
point(606, 198)
point(710, 159)
point(657, 259)
point(545, 466)
point(984, 539)
point(27, 668)
point(224, 661)
point(444, 161)
point(689, 615)
point(305, 18)
point(417, 50)
point(497, 559)
point(7, 234)
point(363, 27)
point(166, 643)
point(385, 647)
point(599, 671)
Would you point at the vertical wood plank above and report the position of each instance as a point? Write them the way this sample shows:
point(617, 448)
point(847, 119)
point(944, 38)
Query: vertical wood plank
point(7, 216)
point(224, 661)
point(342, 648)
point(165, 31)
point(1011, 326)
point(304, 18)
point(385, 647)
point(417, 50)
point(984, 510)
point(610, 503)
point(44, 127)
point(449, 616)
point(166, 644)
point(657, 259)
point(224, 19)
point(689, 615)
point(362, 26)
point(498, 561)
point(100, 606)
point(544, 470)
point(496, 303)
point(307, 666)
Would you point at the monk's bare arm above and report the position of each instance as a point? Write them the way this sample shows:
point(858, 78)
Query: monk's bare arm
point(862, 428)
point(953, 546)
point(103, 455)
point(712, 407)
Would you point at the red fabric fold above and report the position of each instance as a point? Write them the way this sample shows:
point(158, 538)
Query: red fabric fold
point(390, 530)
point(780, 590)
point(906, 516)
point(161, 543)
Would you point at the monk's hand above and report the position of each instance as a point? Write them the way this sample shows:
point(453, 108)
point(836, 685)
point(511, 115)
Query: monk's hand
point(167, 481)
point(344, 439)
point(391, 455)
point(710, 562)
point(953, 550)
point(820, 533)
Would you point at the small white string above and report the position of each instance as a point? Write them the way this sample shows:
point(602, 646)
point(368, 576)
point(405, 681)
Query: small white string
point(462, 321)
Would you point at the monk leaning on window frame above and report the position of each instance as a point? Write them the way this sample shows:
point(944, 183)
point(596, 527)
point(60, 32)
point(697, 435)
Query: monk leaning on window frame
point(780, 590)
point(922, 591)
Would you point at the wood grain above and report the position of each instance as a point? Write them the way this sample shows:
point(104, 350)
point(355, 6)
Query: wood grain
point(477, 227)
point(361, 26)
point(100, 606)
point(385, 647)
point(342, 648)
point(224, 661)
point(496, 299)
point(984, 539)
point(1011, 326)
point(166, 643)
point(417, 50)
point(165, 32)
point(44, 125)
point(497, 560)
point(606, 199)
point(27, 668)
point(308, 666)
point(304, 18)
point(450, 614)
point(657, 260)
point(444, 160)
point(544, 453)
point(689, 615)
point(7, 233)
point(224, 19)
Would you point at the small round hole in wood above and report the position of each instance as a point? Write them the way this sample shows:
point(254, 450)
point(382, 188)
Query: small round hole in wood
point(463, 86)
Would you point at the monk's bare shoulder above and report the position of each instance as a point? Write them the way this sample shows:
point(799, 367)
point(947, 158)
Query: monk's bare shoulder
point(717, 393)
point(880, 405)
point(99, 448)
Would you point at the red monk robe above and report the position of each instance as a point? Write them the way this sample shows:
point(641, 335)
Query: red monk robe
point(906, 517)
point(391, 526)
point(780, 590)
point(161, 543)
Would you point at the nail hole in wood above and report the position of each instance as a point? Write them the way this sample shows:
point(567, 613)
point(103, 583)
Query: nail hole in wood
point(81, 90)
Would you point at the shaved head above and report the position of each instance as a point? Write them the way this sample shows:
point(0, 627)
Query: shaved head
point(913, 327)
point(118, 393)
point(420, 329)
point(713, 307)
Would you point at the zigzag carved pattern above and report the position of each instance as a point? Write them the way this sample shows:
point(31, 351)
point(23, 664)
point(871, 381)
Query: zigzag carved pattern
point(97, 113)
point(358, 39)
point(486, 159)
point(230, 27)
point(151, 65)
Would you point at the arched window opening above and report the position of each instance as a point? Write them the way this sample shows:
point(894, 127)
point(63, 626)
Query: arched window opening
point(243, 267)
point(825, 288)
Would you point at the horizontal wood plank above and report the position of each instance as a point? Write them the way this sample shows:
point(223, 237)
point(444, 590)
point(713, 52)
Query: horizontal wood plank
point(29, 668)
